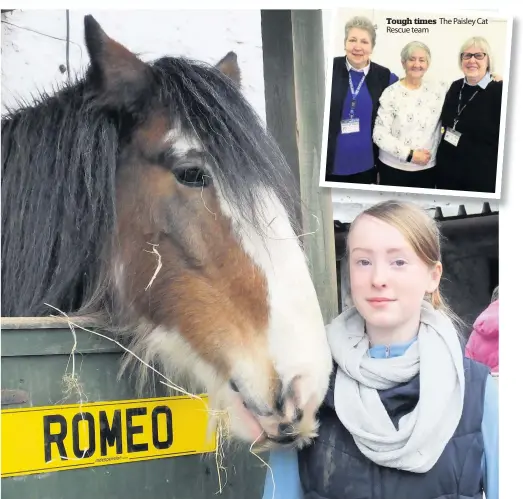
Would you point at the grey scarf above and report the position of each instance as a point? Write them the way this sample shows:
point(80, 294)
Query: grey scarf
point(422, 434)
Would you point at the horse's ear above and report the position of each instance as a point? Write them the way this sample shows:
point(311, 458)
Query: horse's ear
point(119, 75)
point(229, 67)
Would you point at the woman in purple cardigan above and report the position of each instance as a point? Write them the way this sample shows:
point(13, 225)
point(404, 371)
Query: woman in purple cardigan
point(357, 85)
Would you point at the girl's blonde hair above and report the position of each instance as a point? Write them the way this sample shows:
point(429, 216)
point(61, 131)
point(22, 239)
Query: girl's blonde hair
point(422, 233)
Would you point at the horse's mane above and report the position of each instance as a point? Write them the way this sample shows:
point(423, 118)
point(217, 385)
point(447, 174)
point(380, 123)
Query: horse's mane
point(58, 172)
point(59, 162)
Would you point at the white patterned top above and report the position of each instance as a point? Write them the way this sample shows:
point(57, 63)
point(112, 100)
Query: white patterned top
point(409, 119)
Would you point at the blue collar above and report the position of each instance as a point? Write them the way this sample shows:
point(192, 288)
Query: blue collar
point(483, 82)
point(364, 70)
point(394, 350)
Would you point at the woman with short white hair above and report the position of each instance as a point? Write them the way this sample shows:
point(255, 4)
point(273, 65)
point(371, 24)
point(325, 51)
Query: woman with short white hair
point(407, 128)
point(467, 156)
point(357, 84)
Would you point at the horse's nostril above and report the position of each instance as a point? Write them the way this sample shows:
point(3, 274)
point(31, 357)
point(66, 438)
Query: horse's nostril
point(234, 386)
point(285, 428)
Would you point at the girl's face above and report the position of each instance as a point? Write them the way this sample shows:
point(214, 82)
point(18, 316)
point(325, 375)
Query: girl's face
point(388, 279)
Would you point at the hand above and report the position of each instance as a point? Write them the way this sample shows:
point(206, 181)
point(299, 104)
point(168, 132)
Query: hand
point(421, 157)
point(496, 77)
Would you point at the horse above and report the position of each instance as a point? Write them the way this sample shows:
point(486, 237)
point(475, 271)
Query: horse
point(149, 197)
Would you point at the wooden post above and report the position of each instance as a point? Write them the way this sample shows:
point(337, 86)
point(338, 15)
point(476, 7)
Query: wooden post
point(309, 77)
point(278, 71)
point(295, 95)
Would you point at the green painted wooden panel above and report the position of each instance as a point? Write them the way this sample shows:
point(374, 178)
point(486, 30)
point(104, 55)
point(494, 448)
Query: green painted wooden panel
point(35, 361)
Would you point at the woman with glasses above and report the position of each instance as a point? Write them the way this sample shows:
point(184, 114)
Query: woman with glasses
point(468, 151)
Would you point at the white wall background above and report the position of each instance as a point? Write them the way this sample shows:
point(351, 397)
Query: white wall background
point(31, 61)
point(443, 40)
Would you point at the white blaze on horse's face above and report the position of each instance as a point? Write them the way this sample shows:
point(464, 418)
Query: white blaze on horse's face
point(292, 347)
point(296, 333)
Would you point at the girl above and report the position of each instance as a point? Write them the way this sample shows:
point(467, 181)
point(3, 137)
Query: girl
point(406, 415)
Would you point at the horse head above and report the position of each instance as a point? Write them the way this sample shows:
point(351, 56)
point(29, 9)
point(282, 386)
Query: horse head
point(200, 259)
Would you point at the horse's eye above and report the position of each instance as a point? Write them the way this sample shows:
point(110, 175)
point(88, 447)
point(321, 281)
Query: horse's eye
point(193, 177)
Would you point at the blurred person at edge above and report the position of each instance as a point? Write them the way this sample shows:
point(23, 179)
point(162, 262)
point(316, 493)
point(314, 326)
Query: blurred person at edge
point(483, 342)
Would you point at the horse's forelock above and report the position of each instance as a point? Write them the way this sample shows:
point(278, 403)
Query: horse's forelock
point(207, 107)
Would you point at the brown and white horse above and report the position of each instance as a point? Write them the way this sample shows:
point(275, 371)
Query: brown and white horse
point(150, 196)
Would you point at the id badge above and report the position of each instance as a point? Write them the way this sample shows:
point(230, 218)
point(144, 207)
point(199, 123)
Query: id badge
point(452, 136)
point(350, 126)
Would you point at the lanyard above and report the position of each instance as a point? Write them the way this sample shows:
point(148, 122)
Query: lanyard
point(459, 103)
point(354, 92)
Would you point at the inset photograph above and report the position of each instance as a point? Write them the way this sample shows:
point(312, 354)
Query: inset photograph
point(416, 102)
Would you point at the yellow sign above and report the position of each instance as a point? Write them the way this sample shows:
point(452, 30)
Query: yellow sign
point(54, 438)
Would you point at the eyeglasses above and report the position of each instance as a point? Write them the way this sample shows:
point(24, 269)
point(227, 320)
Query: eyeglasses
point(479, 56)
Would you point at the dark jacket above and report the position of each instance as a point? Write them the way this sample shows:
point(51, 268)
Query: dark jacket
point(472, 164)
point(334, 468)
point(377, 80)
